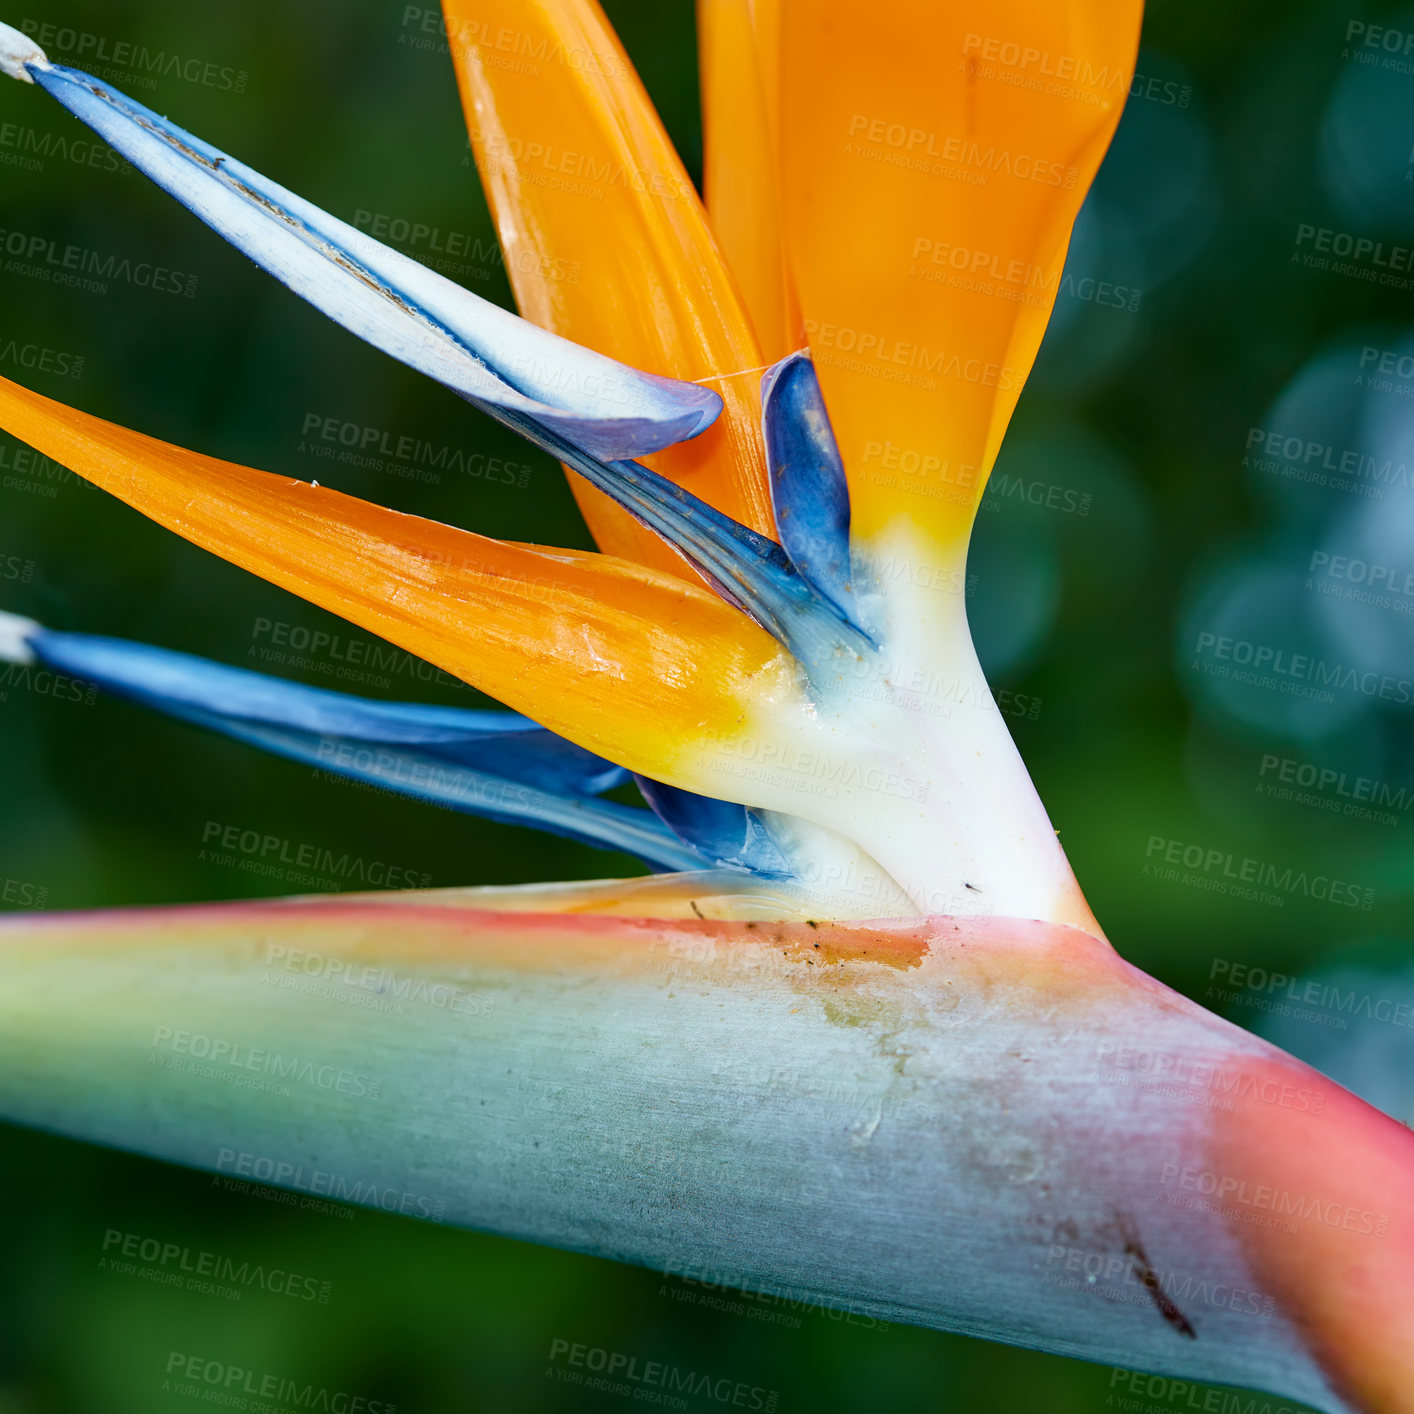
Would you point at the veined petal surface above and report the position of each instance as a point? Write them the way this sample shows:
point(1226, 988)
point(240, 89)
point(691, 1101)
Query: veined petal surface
point(580, 174)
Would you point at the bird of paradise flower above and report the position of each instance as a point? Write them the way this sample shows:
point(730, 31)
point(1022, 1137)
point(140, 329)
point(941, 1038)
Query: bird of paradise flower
point(862, 1033)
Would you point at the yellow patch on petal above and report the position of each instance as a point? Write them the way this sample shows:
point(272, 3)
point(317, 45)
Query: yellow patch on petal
point(933, 159)
point(606, 241)
point(622, 659)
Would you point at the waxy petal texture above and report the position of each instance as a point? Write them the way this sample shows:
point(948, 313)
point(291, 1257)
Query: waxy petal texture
point(929, 192)
point(965, 1110)
point(605, 239)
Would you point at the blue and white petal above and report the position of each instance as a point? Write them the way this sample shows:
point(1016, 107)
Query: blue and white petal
point(500, 362)
point(731, 836)
point(496, 764)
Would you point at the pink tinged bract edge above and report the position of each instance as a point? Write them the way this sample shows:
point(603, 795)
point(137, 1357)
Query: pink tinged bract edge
point(996, 1126)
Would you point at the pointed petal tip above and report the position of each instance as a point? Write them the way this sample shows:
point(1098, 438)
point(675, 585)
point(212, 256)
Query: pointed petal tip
point(809, 490)
point(496, 764)
point(778, 370)
point(17, 52)
point(611, 440)
point(701, 406)
point(496, 360)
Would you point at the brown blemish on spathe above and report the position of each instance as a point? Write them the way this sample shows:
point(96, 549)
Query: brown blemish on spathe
point(835, 944)
point(1149, 1280)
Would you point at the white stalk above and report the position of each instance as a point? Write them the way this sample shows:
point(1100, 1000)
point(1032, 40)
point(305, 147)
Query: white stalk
point(907, 755)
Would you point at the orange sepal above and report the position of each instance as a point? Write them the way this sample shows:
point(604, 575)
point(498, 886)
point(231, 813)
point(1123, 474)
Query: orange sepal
point(605, 239)
point(931, 174)
point(622, 659)
point(739, 165)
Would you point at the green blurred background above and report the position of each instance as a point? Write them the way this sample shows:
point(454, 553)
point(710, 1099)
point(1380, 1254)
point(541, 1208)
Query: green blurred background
point(1249, 122)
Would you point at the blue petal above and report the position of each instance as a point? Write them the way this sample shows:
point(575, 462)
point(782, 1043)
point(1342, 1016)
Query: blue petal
point(749, 570)
point(809, 492)
point(729, 835)
point(488, 355)
point(497, 764)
